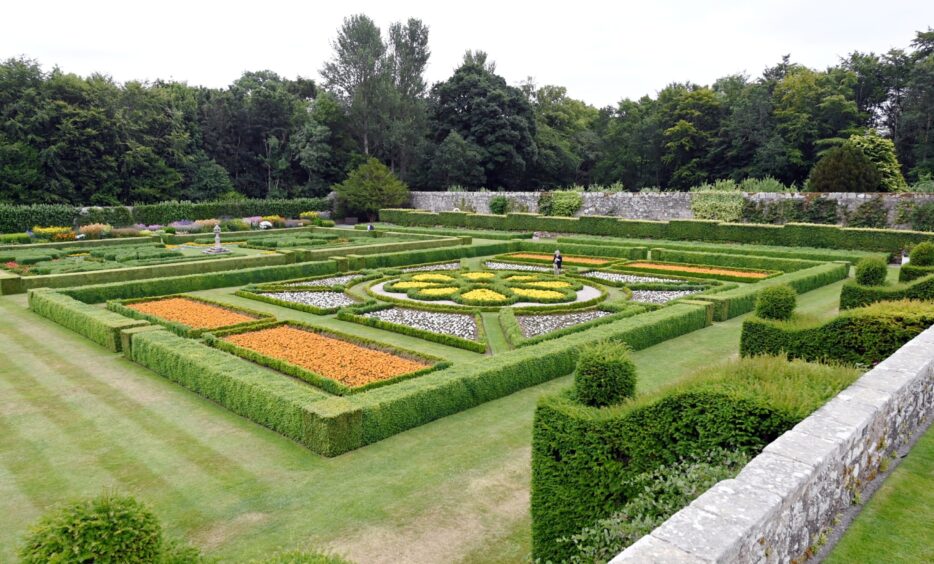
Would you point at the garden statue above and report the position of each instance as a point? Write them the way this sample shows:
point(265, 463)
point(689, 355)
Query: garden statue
point(216, 249)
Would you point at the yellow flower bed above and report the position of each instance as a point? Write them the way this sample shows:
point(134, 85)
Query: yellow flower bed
point(478, 275)
point(550, 284)
point(433, 277)
point(520, 277)
point(482, 294)
point(537, 294)
point(445, 291)
point(407, 285)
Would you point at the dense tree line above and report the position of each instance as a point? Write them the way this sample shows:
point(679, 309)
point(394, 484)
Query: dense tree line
point(65, 138)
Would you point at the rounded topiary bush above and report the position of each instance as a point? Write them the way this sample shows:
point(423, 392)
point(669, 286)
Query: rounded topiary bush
point(605, 374)
point(776, 302)
point(104, 529)
point(871, 272)
point(922, 255)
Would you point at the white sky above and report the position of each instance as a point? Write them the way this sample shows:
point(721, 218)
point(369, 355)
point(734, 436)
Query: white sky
point(601, 51)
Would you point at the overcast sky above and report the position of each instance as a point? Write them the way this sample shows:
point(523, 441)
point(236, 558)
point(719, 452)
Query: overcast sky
point(601, 51)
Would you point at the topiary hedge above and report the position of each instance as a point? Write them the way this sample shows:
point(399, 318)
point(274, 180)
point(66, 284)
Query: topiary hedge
point(99, 325)
point(584, 459)
point(605, 374)
point(854, 294)
point(871, 272)
point(776, 302)
point(863, 336)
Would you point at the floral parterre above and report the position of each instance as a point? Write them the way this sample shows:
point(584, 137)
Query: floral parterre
point(486, 288)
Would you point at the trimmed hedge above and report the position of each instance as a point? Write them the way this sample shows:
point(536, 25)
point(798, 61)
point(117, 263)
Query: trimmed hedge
point(733, 261)
point(738, 301)
point(179, 284)
point(437, 255)
point(586, 250)
point(122, 307)
point(355, 315)
point(662, 272)
point(476, 233)
point(776, 302)
point(790, 234)
point(282, 404)
point(909, 272)
point(605, 375)
point(251, 293)
point(99, 325)
point(585, 459)
point(855, 295)
point(863, 336)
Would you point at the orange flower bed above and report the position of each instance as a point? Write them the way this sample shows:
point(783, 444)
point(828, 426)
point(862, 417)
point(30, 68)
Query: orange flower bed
point(349, 364)
point(698, 269)
point(567, 259)
point(191, 313)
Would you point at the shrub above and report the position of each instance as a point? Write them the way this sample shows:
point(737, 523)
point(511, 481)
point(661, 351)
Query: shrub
point(605, 375)
point(854, 294)
point(767, 184)
point(664, 491)
point(299, 557)
point(50, 233)
point(922, 255)
point(871, 213)
point(562, 203)
point(922, 217)
point(95, 230)
point(845, 169)
point(776, 302)
point(871, 272)
point(499, 204)
point(881, 152)
point(104, 529)
point(721, 201)
point(370, 187)
point(15, 239)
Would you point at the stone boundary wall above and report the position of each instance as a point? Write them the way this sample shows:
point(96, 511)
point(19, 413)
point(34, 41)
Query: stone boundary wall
point(634, 205)
point(791, 493)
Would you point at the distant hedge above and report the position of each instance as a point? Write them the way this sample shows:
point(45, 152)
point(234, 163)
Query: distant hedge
point(22, 218)
point(584, 458)
point(864, 335)
point(790, 234)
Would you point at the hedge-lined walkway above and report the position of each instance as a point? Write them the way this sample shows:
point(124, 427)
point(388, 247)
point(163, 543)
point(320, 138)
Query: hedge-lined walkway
point(75, 419)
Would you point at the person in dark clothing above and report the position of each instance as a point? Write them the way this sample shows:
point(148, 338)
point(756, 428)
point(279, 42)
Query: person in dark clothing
point(557, 262)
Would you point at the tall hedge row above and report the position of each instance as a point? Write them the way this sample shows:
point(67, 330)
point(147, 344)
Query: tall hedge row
point(99, 325)
point(864, 335)
point(790, 234)
point(742, 300)
point(856, 295)
point(730, 260)
point(22, 218)
point(583, 458)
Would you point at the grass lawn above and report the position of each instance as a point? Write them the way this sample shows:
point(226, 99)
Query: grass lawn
point(897, 524)
point(76, 420)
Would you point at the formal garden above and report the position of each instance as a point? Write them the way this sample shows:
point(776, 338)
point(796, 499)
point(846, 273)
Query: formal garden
point(427, 385)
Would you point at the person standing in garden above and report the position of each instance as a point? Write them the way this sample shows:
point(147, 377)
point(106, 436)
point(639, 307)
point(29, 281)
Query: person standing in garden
point(557, 262)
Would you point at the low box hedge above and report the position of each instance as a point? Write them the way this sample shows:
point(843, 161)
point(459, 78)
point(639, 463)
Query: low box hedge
point(732, 261)
point(909, 272)
point(731, 303)
point(634, 252)
point(179, 284)
point(262, 295)
point(856, 295)
point(510, 324)
point(475, 233)
point(584, 458)
point(438, 255)
point(97, 324)
point(864, 336)
point(122, 307)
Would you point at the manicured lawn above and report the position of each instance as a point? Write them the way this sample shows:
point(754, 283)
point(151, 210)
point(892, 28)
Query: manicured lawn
point(75, 420)
point(897, 524)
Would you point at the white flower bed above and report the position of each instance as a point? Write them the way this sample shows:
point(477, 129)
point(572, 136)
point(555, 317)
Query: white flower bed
point(332, 281)
point(456, 324)
point(534, 325)
point(660, 296)
point(630, 278)
point(493, 265)
point(324, 300)
point(430, 267)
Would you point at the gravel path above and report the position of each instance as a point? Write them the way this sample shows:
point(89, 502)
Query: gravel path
point(430, 267)
point(456, 324)
point(533, 325)
point(659, 296)
point(332, 281)
point(317, 299)
point(630, 278)
point(493, 265)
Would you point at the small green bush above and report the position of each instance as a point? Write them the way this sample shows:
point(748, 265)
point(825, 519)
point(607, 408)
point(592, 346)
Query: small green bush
point(104, 529)
point(605, 374)
point(922, 217)
point(562, 203)
point(871, 272)
point(777, 302)
point(922, 255)
point(499, 204)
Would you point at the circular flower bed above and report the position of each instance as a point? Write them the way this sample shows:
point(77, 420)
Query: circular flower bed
point(485, 288)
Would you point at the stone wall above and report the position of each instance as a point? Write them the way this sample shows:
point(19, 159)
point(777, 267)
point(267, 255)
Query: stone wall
point(791, 493)
point(655, 206)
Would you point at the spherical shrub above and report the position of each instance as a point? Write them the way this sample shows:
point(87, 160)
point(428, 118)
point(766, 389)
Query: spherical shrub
point(104, 529)
point(922, 255)
point(605, 374)
point(871, 272)
point(776, 302)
